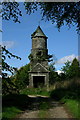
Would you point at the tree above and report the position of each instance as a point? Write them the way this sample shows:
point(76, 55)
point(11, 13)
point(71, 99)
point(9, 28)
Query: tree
point(22, 77)
point(5, 65)
point(10, 10)
point(53, 76)
point(57, 12)
point(66, 69)
point(72, 70)
point(8, 86)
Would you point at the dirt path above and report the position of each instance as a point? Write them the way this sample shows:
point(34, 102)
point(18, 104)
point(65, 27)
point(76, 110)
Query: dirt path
point(56, 110)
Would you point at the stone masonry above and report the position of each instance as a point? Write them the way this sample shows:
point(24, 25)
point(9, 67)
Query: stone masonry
point(39, 73)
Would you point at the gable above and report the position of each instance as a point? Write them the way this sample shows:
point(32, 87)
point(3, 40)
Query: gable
point(39, 68)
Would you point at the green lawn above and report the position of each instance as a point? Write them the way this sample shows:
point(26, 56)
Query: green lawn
point(10, 112)
point(13, 105)
point(35, 91)
point(74, 107)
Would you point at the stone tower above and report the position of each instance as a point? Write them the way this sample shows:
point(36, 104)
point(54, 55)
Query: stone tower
point(39, 73)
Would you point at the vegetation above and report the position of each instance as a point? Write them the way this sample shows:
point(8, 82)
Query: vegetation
point(41, 57)
point(43, 112)
point(8, 85)
point(71, 70)
point(65, 93)
point(35, 91)
point(57, 12)
point(73, 107)
point(14, 104)
point(5, 65)
point(10, 112)
point(11, 11)
point(21, 78)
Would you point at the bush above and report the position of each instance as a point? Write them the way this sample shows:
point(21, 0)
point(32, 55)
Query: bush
point(58, 93)
point(71, 91)
point(8, 87)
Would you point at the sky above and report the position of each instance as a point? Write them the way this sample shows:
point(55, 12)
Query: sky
point(17, 37)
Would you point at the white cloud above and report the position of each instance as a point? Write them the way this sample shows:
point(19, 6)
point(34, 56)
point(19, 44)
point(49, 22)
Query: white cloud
point(59, 71)
point(65, 59)
point(8, 44)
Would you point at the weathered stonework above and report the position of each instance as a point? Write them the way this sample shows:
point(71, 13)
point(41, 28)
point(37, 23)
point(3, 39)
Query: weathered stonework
point(39, 73)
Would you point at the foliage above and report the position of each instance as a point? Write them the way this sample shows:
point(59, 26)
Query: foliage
point(5, 65)
point(13, 104)
point(10, 112)
point(30, 57)
point(35, 91)
point(53, 76)
point(72, 91)
point(41, 57)
point(62, 76)
point(10, 10)
point(65, 68)
point(71, 69)
point(8, 87)
point(22, 77)
point(57, 12)
point(75, 69)
point(43, 109)
point(73, 107)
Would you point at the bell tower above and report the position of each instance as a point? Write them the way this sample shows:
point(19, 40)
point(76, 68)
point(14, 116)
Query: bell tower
point(39, 73)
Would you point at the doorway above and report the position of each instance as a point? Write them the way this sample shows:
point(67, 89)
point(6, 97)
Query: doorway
point(38, 81)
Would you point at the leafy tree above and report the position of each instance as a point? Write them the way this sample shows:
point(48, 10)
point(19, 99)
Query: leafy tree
point(10, 10)
point(5, 65)
point(74, 68)
point(8, 86)
point(57, 12)
point(62, 76)
point(66, 69)
point(22, 77)
point(71, 69)
point(53, 76)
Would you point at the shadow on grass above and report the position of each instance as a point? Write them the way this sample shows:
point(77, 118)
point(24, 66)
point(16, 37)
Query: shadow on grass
point(24, 102)
point(16, 100)
point(70, 92)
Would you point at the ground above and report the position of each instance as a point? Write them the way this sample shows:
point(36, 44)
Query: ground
point(44, 107)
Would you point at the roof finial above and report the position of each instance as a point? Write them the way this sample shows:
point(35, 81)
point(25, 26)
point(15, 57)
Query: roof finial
point(39, 23)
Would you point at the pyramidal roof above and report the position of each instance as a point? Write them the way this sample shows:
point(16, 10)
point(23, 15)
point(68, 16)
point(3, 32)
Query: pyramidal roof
point(38, 33)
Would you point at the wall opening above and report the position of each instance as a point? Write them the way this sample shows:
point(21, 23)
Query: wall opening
point(38, 81)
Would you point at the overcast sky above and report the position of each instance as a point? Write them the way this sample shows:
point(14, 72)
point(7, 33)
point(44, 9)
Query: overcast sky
point(17, 38)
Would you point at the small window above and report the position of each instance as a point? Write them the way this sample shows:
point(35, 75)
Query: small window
point(39, 53)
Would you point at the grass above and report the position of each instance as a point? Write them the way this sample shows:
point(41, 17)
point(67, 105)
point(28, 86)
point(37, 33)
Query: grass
point(74, 107)
point(43, 112)
point(0, 115)
point(10, 112)
point(69, 96)
point(13, 105)
point(35, 91)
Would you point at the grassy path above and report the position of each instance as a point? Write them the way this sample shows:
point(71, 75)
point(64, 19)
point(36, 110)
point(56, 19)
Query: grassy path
point(44, 107)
